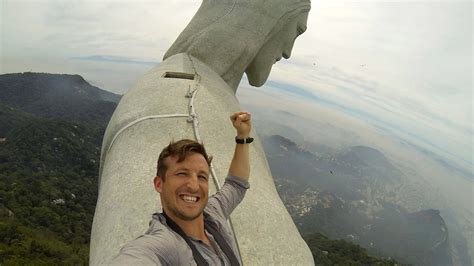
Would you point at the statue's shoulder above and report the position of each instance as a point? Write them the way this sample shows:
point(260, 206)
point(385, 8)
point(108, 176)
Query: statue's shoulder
point(182, 62)
point(186, 67)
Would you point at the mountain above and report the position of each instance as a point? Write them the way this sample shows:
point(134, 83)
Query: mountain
point(51, 129)
point(358, 195)
point(67, 97)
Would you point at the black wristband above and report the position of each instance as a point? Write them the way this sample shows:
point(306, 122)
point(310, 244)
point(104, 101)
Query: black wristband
point(243, 141)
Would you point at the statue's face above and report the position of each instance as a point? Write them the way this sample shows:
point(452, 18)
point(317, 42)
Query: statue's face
point(280, 45)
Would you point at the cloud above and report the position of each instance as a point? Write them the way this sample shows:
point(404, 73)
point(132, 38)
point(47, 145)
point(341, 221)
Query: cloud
point(116, 59)
point(67, 28)
point(423, 49)
point(411, 121)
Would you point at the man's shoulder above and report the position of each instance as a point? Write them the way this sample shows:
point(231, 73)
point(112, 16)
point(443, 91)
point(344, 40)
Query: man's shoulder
point(163, 235)
point(160, 243)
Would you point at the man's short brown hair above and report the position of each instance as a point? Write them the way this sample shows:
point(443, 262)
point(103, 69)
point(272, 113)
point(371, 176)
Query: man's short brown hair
point(180, 148)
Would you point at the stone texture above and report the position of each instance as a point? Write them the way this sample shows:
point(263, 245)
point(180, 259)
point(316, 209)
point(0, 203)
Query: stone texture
point(224, 40)
point(233, 37)
point(264, 229)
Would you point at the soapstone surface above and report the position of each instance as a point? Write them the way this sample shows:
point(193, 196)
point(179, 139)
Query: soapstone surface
point(224, 40)
point(233, 37)
point(263, 227)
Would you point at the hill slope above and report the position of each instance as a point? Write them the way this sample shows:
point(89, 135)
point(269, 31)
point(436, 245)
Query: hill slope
point(353, 194)
point(67, 97)
point(50, 137)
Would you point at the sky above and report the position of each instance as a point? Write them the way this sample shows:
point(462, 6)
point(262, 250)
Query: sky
point(404, 67)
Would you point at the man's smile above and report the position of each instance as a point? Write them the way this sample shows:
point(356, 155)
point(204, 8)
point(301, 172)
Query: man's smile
point(189, 199)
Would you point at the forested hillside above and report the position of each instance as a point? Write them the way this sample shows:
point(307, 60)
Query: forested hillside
point(49, 159)
point(48, 189)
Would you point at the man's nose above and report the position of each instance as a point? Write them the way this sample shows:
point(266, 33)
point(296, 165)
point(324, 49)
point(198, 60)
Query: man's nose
point(193, 183)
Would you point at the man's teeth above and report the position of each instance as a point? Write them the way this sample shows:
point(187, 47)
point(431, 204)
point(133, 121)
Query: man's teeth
point(189, 199)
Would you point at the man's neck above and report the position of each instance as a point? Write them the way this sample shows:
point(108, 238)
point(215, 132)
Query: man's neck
point(193, 228)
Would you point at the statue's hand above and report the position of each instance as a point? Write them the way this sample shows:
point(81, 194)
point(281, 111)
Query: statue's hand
point(242, 122)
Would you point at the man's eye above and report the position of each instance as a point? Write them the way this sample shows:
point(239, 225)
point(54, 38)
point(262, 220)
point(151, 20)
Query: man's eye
point(203, 177)
point(181, 173)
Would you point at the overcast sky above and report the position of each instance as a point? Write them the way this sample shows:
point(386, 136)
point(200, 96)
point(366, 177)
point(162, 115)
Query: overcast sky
point(402, 66)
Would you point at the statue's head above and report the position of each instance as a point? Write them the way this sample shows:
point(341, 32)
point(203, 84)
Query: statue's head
point(233, 37)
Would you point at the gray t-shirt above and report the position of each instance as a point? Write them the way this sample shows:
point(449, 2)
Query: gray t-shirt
point(160, 245)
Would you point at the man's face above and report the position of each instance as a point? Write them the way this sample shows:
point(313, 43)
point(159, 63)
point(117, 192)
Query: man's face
point(184, 191)
point(280, 45)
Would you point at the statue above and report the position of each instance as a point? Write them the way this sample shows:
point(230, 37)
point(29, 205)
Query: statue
point(248, 36)
point(190, 95)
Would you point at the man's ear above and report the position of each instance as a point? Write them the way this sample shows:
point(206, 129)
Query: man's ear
point(157, 181)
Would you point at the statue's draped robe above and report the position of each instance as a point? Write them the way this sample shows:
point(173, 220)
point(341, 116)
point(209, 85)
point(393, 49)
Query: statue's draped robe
point(133, 140)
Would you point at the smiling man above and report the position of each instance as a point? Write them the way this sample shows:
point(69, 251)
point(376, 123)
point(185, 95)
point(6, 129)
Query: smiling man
point(193, 228)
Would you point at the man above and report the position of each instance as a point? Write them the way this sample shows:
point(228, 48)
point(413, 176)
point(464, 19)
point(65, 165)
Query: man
point(192, 228)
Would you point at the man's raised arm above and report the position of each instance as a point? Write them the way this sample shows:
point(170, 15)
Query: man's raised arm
point(240, 165)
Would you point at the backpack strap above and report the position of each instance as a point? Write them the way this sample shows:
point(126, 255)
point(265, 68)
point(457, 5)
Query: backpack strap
point(212, 228)
point(200, 261)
